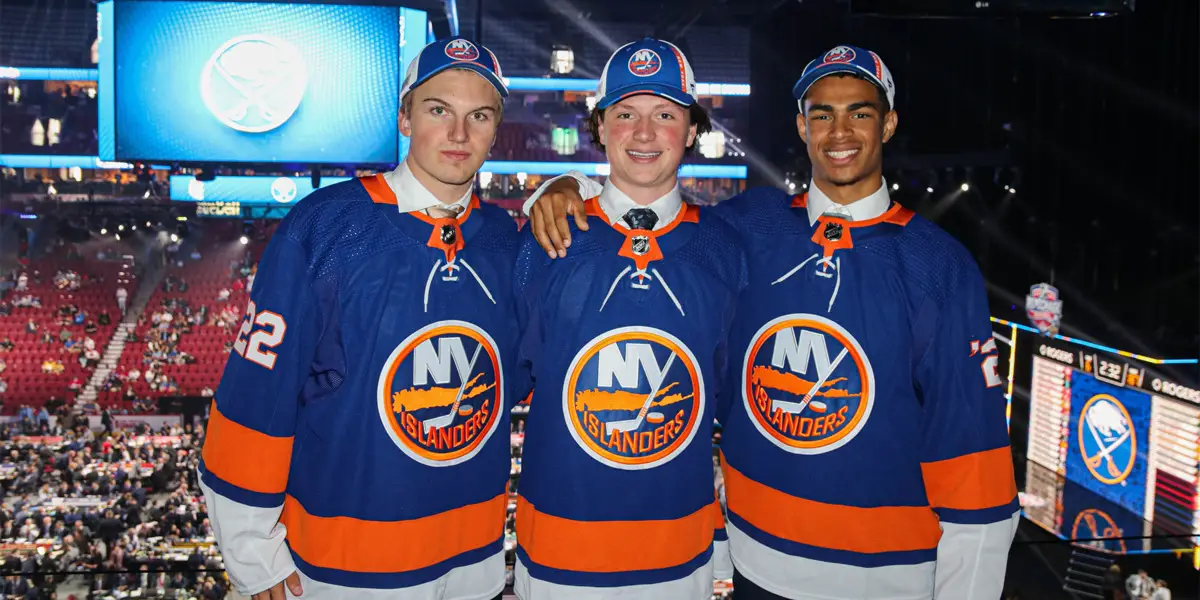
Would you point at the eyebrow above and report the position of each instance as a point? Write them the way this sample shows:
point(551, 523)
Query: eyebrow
point(447, 105)
point(850, 108)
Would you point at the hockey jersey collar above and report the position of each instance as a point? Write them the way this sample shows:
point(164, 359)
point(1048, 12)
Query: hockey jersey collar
point(616, 203)
point(864, 209)
point(412, 197)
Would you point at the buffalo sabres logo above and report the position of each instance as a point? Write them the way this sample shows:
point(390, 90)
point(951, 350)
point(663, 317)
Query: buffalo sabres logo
point(1094, 524)
point(441, 394)
point(462, 50)
point(254, 83)
point(283, 190)
point(644, 63)
point(841, 54)
point(1107, 441)
point(633, 398)
point(807, 384)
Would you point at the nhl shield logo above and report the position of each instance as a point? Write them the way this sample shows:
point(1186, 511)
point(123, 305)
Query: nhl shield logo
point(841, 54)
point(1044, 308)
point(462, 50)
point(640, 245)
point(634, 398)
point(807, 384)
point(644, 63)
point(254, 83)
point(1107, 440)
point(441, 393)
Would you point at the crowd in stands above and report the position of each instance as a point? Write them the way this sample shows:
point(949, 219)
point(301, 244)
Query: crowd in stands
point(80, 499)
point(37, 120)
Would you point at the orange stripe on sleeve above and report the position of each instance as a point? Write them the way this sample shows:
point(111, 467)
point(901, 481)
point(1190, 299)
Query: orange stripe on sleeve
point(362, 546)
point(613, 546)
point(972, 481)
point(244, 457)
point(833, 526)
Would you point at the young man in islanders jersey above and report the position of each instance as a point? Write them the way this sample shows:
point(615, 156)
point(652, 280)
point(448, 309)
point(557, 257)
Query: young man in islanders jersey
point(866, 453)
point(358, 446)
point(626, 340)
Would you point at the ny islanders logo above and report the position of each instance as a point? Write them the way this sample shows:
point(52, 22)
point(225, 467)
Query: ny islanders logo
point(841, 54)
point(807, 384)
point(644, 63)
point(254, 83)
point(462, 50)
point(1107, 441)
point(633, 398)
point(440, 393)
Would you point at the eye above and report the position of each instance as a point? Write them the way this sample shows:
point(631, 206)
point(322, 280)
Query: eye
point(624, 115)
point(666, 116)
point(481, 116)
point(438, 111)
point(861, 115)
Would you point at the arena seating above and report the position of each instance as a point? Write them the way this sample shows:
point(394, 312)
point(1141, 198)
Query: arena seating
point(27, 384)
point(205, 279)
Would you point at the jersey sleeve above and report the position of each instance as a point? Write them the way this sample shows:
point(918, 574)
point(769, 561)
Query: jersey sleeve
point(966, 460)
point(247, 449)
point(587, 188)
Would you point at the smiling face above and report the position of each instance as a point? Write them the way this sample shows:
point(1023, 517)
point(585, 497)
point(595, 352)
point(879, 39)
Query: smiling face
point(645, 138)
point(845, 124)
point(451, 121)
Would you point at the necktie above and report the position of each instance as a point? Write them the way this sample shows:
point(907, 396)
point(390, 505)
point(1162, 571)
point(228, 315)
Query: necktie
point(443, 211)
point(641, 218)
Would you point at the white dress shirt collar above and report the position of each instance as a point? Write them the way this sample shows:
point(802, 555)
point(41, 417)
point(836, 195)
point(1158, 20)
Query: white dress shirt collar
point(863, 209)
point(616, 203)
point(412, 195)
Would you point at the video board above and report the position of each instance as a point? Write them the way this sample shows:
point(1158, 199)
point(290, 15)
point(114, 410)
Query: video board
point(236, 82)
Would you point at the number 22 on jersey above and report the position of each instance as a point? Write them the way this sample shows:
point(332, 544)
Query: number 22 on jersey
point(254, 344)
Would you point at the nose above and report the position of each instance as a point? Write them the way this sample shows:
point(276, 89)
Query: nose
point(644, 130)
point(458, 133)
point(841, 127)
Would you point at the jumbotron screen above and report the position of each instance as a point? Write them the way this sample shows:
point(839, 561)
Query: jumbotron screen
point(1115, 435)
point(253, 82)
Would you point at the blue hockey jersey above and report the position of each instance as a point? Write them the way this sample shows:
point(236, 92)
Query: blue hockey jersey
point(366, 404)
point(625, 340)
point(863, 414)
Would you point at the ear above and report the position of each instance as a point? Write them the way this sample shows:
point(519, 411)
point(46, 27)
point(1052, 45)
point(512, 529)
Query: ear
point(691, 138)
point(802, 127)
point(405, 124)
point(601, 131)
point(890, 121)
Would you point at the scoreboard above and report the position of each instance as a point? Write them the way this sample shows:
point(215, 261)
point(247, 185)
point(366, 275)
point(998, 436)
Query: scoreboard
point(1114, 431)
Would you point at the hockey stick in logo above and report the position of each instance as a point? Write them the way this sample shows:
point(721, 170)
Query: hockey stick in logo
point(448, 418)
point(1105, 451)
point(795, 408)
point(634, 423)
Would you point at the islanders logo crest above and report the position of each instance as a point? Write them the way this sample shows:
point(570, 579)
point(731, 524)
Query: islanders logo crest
point(841, 54)
point(634, 398)
point(1107, 441)
point(807, 384)
point(441, 394)
point(461, 50)
point(644, 63)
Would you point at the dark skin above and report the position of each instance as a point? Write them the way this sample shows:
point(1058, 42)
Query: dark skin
point(844, 125)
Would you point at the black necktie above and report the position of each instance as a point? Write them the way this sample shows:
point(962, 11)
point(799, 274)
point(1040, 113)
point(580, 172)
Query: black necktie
point(641, 218)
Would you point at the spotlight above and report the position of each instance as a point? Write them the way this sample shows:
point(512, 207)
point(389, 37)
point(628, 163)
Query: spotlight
point(929, 190)
point(120, 228)
point(118, 236)
point(966, 187)
point(804, 185)
point(244, 240)
point(133, 227)
point(895, 186)
point(1012, 190)
point(103, 231)
point(792, 186)
point(147, 223)
point(174, 238)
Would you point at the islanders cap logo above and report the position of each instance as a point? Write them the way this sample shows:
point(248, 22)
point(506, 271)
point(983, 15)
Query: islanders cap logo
point(807, 384)
point(841, 54)
point(644, 63)
point(254, 83)
point(441, 393)
point(1107, 442)
point(633, 397)
point(461, 50)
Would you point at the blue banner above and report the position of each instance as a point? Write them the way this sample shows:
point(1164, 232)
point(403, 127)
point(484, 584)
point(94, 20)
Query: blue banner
point(1108, 441)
